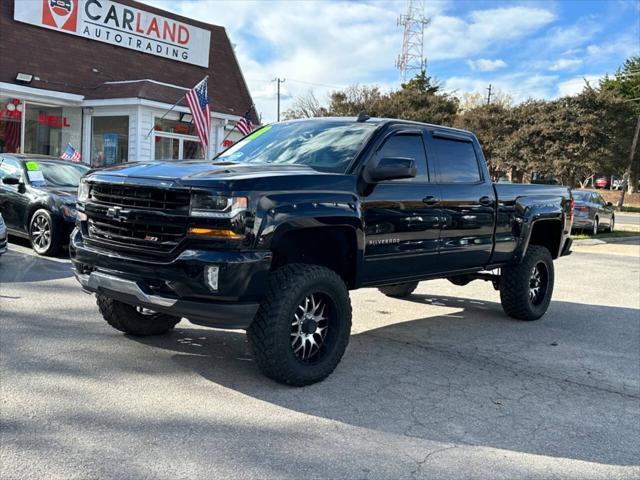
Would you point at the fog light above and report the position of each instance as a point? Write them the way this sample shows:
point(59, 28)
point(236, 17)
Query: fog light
point(211, 276)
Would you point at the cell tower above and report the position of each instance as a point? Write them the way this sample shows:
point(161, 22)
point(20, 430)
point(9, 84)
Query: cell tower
point(411, 60)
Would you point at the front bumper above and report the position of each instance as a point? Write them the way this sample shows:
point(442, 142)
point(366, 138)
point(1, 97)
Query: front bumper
point(177, 286)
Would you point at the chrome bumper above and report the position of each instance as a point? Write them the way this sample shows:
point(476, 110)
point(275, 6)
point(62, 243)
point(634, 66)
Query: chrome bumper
point(96, 281)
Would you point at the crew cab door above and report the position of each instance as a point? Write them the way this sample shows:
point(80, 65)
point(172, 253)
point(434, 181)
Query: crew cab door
point(402, 224)
point(468, 201)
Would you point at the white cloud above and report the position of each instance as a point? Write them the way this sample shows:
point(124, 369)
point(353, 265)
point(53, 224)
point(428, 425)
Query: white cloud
point(485, 65)
point(575, 85)
point(520, 86)
point(340, 43)
point(450, 37)
point(565, 64)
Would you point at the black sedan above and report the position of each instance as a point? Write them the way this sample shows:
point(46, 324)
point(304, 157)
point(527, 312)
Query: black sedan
point(591, 212)
point(38, 198)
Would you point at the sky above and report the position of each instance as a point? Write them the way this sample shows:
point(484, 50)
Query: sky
point(526, 49)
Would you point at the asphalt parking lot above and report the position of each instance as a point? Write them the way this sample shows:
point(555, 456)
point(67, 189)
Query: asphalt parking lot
point(443, 385)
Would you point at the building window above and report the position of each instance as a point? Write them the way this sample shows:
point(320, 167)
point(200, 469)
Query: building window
point(176, 140)
point(109, 140)
point(49, 129)
point(10, 124)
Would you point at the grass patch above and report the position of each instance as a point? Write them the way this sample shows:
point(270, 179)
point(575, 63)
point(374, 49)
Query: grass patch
point(614, 234)
point(631, 209)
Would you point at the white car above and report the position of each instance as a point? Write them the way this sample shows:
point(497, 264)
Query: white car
point(3, 236)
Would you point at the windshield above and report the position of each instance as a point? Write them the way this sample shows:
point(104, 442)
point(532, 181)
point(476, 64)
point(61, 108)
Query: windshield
point(581, 196)
point(323, 145)
point(59, 174)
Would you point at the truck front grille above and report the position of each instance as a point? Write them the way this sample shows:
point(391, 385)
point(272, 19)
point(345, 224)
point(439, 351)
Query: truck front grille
point(145, 220)
point(140, 197)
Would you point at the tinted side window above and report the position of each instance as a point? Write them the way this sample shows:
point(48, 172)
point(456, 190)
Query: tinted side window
point(406, 146)
point(457, 162)
point(10, 168)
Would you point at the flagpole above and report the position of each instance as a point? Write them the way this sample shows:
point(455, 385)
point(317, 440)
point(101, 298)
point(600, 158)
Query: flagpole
point(174, 106)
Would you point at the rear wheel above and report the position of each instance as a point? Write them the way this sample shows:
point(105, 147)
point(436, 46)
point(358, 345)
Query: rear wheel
point(44, 233)
point(526, 288)
point(400, 290)
point(303, 324)
point(137, 321)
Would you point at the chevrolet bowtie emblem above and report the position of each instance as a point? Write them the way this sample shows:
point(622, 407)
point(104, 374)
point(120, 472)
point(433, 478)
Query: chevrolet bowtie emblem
point(118, 214)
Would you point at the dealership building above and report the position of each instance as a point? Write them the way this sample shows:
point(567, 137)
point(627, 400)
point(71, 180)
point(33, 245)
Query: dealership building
point(101, 75)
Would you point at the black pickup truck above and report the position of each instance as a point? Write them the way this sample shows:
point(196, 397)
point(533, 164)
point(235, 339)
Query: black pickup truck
point(272, 234)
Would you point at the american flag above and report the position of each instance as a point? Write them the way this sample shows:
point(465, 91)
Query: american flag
point(244, 125)
point(198, 100)
point(71, 153)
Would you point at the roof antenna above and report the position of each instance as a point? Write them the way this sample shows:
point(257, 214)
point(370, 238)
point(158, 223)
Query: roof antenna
point(362, 117)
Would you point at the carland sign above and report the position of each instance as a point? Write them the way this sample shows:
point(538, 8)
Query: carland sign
point(117, 24)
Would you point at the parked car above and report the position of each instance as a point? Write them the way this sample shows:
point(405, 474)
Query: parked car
point(3, 236)
point(601, 182)
point(272, 235)
point(591, 212)
point(38, 198)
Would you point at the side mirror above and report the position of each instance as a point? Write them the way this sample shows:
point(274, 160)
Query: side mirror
point(390, 169)
point(11, 181)
point(609, 204)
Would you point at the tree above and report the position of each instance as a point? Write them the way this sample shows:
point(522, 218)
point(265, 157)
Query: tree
point(627, 83)
point(471, 100)
point(305, 106)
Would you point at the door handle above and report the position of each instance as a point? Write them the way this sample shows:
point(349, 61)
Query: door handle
point(430, 200)
point(486, 200)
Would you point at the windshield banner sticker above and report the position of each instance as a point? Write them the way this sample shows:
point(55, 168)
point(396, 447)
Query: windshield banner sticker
point(32, 166)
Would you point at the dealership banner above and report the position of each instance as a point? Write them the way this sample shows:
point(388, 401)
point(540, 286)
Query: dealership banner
point(117, 24)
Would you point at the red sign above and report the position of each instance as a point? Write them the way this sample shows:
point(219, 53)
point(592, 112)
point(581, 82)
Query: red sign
point(61, 14)
point(53, 120)
point(227, 143)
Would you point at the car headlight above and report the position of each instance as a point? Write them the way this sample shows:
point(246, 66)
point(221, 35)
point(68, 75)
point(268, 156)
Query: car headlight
point(69, 211)
point(216, 206)
point(83, 191)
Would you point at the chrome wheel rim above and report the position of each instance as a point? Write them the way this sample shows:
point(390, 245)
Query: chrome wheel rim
point(595, 227)
point(537, 283)
point(310, 326)
point(41, 232)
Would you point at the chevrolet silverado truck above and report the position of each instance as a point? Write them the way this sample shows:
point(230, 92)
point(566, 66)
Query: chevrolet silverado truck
point(271, 235)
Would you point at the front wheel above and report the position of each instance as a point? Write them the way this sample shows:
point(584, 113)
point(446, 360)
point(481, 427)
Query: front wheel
point(303, 324)
point(596, 226)
point(136, 321)
point(44, 233)
point(612, 223)
point(526, 288)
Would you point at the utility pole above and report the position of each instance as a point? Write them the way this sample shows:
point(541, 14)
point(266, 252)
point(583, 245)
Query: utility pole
point(627, 174)
point(489, 95)
point(279, 80)
point(411, 61)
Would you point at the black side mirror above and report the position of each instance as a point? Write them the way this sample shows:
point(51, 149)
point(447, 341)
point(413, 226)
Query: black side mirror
point(382, 169)
point(609, 204)
point(11, 181)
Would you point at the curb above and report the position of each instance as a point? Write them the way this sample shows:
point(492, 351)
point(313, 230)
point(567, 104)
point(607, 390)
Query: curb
point(603, 241)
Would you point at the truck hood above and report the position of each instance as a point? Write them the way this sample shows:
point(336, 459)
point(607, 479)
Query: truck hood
point(188, 172)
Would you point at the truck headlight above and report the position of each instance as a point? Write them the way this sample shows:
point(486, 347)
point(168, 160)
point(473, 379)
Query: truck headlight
point(216, 206)
point(83, 191)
